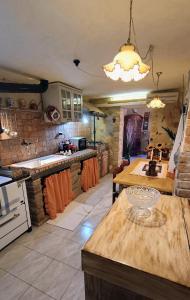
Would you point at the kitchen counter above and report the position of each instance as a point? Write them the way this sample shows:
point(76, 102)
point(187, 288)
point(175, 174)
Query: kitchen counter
point(35, 184)
point(124, 260)
point(53, 167)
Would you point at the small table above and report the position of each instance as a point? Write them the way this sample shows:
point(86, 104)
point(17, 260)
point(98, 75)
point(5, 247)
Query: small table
point(125, 178)
point(123, 260)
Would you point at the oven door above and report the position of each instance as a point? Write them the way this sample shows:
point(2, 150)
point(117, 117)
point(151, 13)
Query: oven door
point(11, 197)
point(12, 220)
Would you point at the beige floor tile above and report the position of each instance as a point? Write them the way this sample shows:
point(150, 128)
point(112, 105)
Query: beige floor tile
point(11, 255)
point(81, 234)
point(34, 294)
point(70, 253)
point(31, 237)
point(30, 266)
point(92, 221)
point(55, 279)
point(75, 290)
point(11, 288)
point(92, 199)
point(2, 273)
point(62, 249)
point(99, 210)
point(57, 230)
point(27, 256)
point(106, 202)
point(48, 245)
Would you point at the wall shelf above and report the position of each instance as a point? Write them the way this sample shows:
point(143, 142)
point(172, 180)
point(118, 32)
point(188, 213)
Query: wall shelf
point(15, 109)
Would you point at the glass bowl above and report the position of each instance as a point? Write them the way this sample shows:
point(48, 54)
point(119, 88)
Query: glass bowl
point(142, 199)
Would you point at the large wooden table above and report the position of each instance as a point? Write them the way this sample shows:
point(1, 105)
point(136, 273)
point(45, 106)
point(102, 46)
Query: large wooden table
point(123, 260)
point(164, 185)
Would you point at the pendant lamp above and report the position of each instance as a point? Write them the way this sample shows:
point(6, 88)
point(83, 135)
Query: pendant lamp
point(156, 102)
point(127, 65)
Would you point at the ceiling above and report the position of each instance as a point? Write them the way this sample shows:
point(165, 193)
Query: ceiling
point(43, 37)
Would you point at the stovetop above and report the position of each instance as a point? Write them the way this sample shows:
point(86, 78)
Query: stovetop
point(4, 180)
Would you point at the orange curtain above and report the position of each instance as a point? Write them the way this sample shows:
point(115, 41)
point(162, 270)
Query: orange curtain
point(57, 193)
point(90, 173)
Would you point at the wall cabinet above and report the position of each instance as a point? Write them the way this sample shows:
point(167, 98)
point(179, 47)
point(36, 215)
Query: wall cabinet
point(66, 99)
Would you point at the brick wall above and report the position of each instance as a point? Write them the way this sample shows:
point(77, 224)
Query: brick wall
point(31, 127)
point(183, 168)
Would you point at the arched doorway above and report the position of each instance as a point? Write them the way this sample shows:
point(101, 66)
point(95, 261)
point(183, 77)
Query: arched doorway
point(132, 134)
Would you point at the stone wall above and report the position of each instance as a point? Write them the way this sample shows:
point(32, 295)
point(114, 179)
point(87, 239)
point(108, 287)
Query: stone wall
point(112, 132)
point(107, 131)
point(41, 136)
point(183, 168)
point(167, 117)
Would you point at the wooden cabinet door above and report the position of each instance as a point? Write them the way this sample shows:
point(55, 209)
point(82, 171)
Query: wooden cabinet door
point(66, 101)
point(77, 107)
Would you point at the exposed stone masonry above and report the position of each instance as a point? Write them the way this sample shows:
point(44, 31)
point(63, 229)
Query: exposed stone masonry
point(35, 200)
point(76, 179)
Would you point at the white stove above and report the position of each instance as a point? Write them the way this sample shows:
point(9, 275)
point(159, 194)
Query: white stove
point(4, 180)
point(14, 210)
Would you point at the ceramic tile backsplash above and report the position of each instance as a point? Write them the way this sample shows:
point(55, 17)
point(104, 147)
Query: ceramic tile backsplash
point(41, 136)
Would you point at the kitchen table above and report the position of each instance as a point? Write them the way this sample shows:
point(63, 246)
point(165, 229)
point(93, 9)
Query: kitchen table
point(125, 260)
point(128, 177)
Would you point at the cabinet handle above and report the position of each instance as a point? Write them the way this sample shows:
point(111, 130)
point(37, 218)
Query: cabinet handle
point(13, 217)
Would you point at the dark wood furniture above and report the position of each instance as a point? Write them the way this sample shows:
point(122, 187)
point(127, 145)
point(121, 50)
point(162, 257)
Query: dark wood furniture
point(123, 260)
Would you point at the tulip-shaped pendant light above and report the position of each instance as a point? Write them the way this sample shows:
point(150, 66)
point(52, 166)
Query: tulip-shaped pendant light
point(156, 102)
point(127, 65)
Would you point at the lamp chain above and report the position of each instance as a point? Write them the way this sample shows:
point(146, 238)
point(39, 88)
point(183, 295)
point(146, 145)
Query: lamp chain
point(130, 22)
point(158, 75)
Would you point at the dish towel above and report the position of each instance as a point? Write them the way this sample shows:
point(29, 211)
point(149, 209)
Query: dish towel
point(7, 203)
point(57, 193)
point(90, 173)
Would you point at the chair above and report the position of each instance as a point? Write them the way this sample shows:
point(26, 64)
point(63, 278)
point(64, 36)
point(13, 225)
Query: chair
point(116, 171)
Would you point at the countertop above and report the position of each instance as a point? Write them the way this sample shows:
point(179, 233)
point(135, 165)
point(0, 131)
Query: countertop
point(153, 261)
point(125, 178)
point(55, 166)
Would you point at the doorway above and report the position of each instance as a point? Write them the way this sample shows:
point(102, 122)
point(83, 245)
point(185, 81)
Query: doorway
point(135, 133)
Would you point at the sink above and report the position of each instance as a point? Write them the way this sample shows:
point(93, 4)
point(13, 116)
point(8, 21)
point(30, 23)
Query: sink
point(40, 162)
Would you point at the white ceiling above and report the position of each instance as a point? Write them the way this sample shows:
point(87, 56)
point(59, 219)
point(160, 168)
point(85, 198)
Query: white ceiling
point(42, 37)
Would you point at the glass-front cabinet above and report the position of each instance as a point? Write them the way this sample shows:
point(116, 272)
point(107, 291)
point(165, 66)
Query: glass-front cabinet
point(67, 100)
point(66, 109)
point(77, 106)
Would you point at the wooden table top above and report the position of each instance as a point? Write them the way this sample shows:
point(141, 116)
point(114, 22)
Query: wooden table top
point(161, 184)
point(162, 251)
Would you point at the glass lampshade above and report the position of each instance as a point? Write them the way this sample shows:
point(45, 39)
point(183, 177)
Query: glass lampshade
point(156, 103)
point(127, 65)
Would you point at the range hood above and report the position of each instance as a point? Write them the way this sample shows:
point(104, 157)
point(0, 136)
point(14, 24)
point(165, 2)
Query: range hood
point(7, 87)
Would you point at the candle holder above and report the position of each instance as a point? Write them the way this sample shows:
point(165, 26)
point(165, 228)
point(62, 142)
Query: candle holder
point(151, 168)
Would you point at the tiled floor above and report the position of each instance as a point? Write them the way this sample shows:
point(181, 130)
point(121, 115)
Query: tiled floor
point(46, 263)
